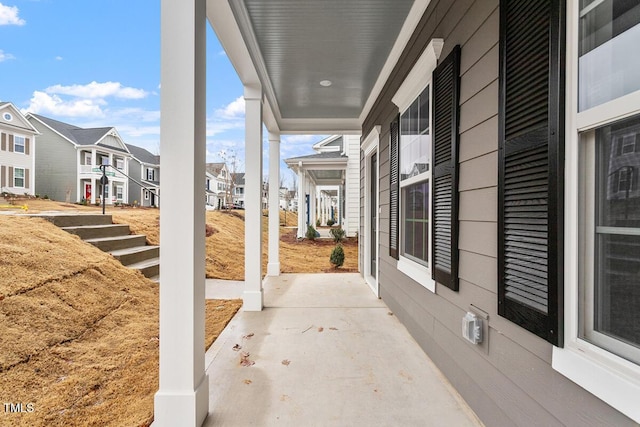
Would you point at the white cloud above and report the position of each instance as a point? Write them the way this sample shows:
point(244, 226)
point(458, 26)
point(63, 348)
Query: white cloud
point(5, 56)
point(58, 58)
point(43, 103)
point(98, 90)
point(234, 110)
point(9, 16)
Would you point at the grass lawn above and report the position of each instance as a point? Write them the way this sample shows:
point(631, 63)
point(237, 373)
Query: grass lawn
point(79, 332)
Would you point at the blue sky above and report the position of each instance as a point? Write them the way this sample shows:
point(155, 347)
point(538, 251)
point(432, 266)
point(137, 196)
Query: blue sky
point(97, 63)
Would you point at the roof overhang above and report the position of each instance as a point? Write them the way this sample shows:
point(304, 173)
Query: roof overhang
point(266, 41)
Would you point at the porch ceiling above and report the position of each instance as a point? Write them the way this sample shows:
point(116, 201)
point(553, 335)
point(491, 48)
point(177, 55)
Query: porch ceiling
point(288, 47)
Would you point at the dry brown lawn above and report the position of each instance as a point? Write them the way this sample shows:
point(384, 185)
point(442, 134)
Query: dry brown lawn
point(78, 331)
point(225, 247)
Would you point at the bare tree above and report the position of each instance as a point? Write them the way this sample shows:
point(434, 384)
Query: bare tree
point(233, 165)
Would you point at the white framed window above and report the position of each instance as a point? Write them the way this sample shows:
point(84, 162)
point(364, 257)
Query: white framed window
point(146, 194)
point(87, 158)
point(19, 144)
point(119, 192)
point(119, 163)
point(602, 254)
point(7, 116)
point(413, 99)
point(18, 177)
point(151, 174)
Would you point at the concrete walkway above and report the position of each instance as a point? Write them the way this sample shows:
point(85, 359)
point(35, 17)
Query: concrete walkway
point(324, 352)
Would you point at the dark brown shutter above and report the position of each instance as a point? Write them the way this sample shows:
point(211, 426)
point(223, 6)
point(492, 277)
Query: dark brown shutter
point(444, 227)
point(26, 178)
point(10, 143)
point(3, 143)
point(394, 188)
point(26, 146)
point(531, 166)
point(12, 180)
point(3, 179)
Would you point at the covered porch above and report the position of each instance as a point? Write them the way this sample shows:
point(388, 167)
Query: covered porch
point(315, 88)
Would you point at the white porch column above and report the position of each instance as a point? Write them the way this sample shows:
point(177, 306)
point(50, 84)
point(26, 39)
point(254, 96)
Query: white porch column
point(302, 188)
point(183, 396)
point(273, 267)
point(252, 297)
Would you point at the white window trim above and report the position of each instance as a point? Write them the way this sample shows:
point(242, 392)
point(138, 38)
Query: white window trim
point(416, 81)
point(609, 377)
point(24, 144)
point(23, 178)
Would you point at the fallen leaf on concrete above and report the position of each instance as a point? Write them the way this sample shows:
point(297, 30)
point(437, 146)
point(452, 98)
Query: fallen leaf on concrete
point(389, 313)
point(248, 381)
point(237, 347)
point(320, 329)
point(244, 359)
point(286, 362)
point(248, 336)
point(307, 329)
point(333, 329)
point(284, 398)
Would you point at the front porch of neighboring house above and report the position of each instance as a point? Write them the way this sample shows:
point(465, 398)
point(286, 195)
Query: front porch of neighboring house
point(90, 187)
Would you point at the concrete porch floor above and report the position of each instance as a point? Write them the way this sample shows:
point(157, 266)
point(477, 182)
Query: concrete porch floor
point(327, 352)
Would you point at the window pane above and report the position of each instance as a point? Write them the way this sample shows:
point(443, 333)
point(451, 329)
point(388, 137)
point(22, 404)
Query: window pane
point(615, 296)
point(609, 31)
point(415, 210)
point(415, 141)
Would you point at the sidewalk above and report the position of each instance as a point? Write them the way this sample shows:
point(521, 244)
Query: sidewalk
point(325, 352)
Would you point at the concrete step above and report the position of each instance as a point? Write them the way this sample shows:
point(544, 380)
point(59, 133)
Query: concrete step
point(130, 256)
point(97, 231)
point(149, 267)
point(108, 244)
point(76, 220)
point(155, 279)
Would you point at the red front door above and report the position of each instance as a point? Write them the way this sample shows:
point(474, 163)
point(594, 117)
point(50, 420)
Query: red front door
point(87, 191)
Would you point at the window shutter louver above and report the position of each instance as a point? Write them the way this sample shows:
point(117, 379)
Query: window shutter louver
point(444, 227)
point(26, 146)
point(3, 143)
point(12, 179)
point(3, 178)
point(394, 188)
point(530, 169)
point(10, 143)
point(26, 178)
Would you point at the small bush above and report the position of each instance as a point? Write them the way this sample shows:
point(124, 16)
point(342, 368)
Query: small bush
point(338, 234)
point(318, 223)
point(337, 256)
point(311, 233)
point(330, 222)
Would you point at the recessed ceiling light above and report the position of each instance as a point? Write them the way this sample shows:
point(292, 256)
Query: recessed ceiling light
point(325, 83)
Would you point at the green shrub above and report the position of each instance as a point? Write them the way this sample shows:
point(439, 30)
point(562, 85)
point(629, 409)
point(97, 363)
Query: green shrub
point(338, 234)
point(337, 256)
point(330, 222)
point(318, 223)
point(311, 233)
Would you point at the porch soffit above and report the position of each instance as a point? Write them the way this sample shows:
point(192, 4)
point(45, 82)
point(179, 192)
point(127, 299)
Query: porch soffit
point(293, 45)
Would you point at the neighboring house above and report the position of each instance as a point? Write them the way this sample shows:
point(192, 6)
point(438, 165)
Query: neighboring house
point(238, 188)
point(330, 183)
point(17, 151)
point(218, 186)
point(144, 177)
point(69, 159)
point(500, 219)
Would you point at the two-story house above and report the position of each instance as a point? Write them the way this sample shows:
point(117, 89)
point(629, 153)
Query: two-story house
point(144, 177)
point(238, 189)
point(69, 160)
point(218, 186)
point(17, 151)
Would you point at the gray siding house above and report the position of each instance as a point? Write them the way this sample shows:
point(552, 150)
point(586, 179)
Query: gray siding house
point(144, 177)
point(69, 159)
point(499, 198)
point(17, 152)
